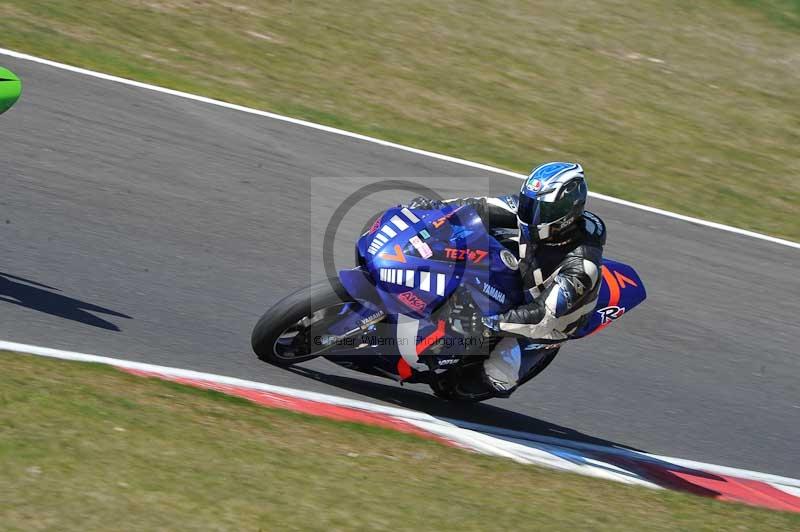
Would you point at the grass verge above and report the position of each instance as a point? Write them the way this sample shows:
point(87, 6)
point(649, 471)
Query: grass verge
point(85, 447)
point(690, 105)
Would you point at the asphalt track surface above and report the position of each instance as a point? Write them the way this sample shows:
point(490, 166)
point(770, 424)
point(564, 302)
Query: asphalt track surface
point(144, 226)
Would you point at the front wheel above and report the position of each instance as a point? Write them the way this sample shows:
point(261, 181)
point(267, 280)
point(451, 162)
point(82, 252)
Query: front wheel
point(294, 329)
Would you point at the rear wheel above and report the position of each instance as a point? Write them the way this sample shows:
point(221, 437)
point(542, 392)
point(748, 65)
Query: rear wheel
point(294, 330)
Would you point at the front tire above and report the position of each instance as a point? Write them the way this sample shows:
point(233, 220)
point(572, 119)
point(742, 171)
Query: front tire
point(285, 334)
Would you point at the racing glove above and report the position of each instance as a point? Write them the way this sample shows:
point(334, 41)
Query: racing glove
point(464, 319)
point(491, 325)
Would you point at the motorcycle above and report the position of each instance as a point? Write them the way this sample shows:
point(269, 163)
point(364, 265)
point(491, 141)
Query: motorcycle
point(391, 315)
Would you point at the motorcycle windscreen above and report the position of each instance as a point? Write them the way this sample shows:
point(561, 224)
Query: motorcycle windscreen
point(621, 289)
point(417, 258)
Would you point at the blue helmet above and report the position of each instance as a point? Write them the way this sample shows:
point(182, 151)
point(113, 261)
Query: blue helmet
point(551, 200)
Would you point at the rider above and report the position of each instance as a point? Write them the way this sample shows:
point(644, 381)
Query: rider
point(560, 246)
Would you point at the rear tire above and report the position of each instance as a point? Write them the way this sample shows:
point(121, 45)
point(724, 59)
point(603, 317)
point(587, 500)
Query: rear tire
point(268, 338)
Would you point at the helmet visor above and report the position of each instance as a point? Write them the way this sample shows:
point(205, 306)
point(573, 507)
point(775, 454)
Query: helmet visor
point(573, 194)
point(534, 211)
point(554, 211)
point(528, 210)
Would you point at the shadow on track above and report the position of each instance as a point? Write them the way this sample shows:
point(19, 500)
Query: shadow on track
point(43, 298)
point(470, 412)
point(655, 470)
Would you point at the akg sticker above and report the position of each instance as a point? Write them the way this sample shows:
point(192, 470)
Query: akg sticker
point(412, 301)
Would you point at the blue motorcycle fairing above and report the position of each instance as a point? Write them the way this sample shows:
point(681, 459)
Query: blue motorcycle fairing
point(417, 258)
point(359, 286)
point(621, 289)
point(411, 261)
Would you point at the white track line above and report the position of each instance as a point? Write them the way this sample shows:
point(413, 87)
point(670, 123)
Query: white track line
point(484, 438)
point(425, 153)
point(515, 435)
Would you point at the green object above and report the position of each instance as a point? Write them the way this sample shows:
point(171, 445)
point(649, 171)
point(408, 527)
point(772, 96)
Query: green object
point(10, 89)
